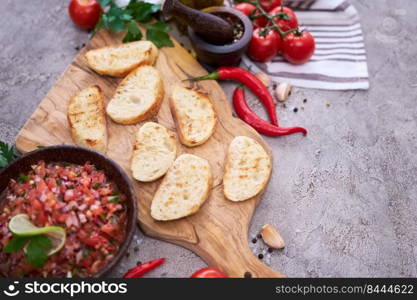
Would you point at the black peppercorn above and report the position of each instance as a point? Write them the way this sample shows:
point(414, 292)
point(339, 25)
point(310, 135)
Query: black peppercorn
point(254, 240)
point(270, 250)
point(305, 100)
point(139, 263)
point(259, 236)
point(295, 109)
point(260, 256)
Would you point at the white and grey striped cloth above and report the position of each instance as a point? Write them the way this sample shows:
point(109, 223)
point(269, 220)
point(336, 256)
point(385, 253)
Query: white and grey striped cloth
point(339, 62)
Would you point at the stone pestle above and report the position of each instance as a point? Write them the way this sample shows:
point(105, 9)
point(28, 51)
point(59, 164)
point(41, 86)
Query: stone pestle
point(211, 28)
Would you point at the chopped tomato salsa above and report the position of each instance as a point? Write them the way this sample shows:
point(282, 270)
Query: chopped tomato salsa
point(78, 198)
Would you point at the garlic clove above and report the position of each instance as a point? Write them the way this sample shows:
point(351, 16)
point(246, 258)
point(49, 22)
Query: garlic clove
point(272, 237)
point(282, 91)
point(264, 78)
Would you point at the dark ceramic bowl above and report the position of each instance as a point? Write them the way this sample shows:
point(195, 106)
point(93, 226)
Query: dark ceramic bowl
point(79, 155)
point(224, 55)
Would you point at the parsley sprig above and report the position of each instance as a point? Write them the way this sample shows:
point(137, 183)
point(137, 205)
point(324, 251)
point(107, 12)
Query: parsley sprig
point(117, 18)
point(8, 153)
point(36, 251)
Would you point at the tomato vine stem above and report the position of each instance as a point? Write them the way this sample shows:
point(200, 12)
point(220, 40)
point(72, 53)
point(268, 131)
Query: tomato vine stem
point(271, 19)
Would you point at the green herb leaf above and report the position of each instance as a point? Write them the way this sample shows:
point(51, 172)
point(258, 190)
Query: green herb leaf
point(157, 33)
point(122, 18)
point(22, 178)
point(15, 244)
point(133, 32)
point(36, 255)
point(96, 186)
point(115, 200)
point(8, 154)
point(42, 241)
point(104, 3)
point(142, 11)
point(103, 218)
point(86, 252)
point(40, 147)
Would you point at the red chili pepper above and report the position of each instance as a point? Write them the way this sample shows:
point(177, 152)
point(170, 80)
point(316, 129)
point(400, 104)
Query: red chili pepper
point(249, 117)
point(142, 269)
point(209, 273)
point(248, 79)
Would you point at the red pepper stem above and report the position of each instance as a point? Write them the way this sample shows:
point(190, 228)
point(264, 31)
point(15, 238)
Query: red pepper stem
point(212, 76)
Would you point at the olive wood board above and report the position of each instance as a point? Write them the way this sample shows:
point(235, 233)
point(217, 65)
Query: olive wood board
point(218, 232)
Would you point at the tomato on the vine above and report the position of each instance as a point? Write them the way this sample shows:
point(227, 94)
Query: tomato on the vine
point(270, 4)
point(259, 21)
point(284, 23)
point(85, 13)
point(298, 47)
point(250, 10)
point(264, 44)
point(245, 8)
point(208, 273)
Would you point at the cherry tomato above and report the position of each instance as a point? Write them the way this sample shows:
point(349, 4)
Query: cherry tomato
point(245, 8)
point(248, 9)
point(208, 273)
point(285, 24)
point(85, 13)
point(264, 47)
point(259, 22)
point(298, 47)
point(270, 4)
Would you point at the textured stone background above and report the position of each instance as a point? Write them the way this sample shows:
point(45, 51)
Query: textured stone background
point(344, 198)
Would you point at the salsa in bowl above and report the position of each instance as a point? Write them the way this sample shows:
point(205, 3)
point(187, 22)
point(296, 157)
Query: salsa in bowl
point(65, 211)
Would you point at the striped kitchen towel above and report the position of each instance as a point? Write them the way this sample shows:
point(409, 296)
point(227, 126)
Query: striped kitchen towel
point(339, 62)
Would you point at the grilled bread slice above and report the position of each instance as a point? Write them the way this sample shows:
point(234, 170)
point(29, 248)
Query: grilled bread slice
point(194, 115)
point(183, 190)
point(154, 153)
point(138, 97)
point(121, 60)
point(247, 171)
point(87, 119)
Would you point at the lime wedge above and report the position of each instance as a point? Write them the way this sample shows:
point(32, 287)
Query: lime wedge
point(20, 225)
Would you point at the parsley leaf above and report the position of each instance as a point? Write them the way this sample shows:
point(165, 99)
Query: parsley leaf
point(42, 241)
point(104, 3)
point(8, 153)
point(96, 186)
point(115, 200)
point(117, 18)
point(133, 33)
point(22, 178)
point(36, 254)
point(142, 11)
point(15, 244)
point(157, 33)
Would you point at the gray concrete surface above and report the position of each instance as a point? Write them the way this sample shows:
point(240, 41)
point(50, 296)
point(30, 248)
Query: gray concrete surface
point(344, 198)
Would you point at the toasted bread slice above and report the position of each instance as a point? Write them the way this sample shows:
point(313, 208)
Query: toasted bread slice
point(138, 97)
point(194, 115)
point(247, 171)
point(183, 190)
point(154, 153)
point(121, 60)
point(87, 119)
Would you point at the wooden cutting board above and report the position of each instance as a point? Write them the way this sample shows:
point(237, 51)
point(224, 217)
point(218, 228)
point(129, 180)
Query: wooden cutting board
point(218, 233)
